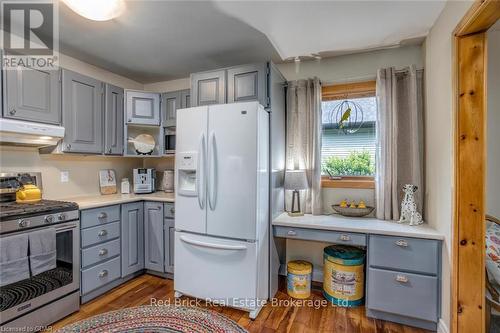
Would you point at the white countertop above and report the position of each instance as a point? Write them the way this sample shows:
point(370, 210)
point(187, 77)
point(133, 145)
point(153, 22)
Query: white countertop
point(357, 224)
point(101, 200)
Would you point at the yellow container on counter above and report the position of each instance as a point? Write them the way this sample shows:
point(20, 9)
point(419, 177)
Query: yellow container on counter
point(299, 279)
point(343, 275)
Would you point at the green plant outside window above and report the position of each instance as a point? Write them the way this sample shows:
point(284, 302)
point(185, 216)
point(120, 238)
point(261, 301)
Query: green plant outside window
point(357, 163)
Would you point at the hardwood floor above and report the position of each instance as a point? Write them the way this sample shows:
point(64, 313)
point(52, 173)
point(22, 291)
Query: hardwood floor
point(141, 290)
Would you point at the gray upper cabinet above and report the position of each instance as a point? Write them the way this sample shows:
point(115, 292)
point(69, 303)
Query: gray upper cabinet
point(132, 237)
point(82, 100)
point(142, 107)
point(153, 236)
point(32, 95)
point(113, 120)
point(171, 102)
point(208, 88)
point(247, 83)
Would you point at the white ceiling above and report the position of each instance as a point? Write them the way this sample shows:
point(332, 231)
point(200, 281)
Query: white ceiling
point(300, 28)
point(162, 40)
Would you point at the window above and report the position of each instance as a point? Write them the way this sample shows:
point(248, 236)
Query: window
point(349, 141)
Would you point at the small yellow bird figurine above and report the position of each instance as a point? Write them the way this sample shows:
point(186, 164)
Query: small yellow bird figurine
point(345, 116)
point(353, 204)
point(343, 203)
point(362, 204)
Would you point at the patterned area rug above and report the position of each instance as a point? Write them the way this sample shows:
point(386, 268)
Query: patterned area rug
point(156, 319)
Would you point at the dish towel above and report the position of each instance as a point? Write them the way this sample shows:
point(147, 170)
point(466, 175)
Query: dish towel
point(42, 250)
point(14, 264)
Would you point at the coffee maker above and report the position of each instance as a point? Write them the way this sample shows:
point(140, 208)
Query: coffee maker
point(144, 180)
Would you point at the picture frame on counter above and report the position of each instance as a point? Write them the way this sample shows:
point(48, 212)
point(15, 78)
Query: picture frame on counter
point(107, 181)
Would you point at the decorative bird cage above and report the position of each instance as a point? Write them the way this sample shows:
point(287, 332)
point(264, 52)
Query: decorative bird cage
point(348, 116)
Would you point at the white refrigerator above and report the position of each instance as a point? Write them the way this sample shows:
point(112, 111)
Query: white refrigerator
point(222, 204)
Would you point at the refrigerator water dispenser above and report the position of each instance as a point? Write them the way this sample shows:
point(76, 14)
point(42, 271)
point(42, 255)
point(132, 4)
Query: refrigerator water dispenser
point(187, 173)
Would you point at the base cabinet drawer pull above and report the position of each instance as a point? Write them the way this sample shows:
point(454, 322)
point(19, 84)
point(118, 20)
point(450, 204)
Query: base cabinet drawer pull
point(402, 243)
point(103, 252)
point(292, 233)
point(103, 273)
point(402, 278)
point(103, 215)
point(102, 233)
point(345, 238)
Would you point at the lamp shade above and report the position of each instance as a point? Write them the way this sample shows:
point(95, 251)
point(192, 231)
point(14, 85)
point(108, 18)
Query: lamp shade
point(296, 180)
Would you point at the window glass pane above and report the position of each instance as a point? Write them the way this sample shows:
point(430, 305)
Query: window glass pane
point(348, 143)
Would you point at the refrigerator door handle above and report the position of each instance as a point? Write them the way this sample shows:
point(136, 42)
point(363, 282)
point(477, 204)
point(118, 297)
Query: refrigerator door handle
point(200, 178)
point(212, 195)
point(212, 245)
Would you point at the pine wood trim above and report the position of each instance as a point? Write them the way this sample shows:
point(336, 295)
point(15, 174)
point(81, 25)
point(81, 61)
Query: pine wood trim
point(348, 90)
point(348, 182)
point(470, 67)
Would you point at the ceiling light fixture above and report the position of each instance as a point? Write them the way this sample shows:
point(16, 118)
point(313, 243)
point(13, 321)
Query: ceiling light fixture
point(97, 10)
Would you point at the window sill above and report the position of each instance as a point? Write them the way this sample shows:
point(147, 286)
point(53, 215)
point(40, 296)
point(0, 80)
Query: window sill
point(349, 182)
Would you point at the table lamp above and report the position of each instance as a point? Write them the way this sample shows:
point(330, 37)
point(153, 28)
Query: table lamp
point(296, 180)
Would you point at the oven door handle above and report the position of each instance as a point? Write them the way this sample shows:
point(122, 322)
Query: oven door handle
point(66, 227)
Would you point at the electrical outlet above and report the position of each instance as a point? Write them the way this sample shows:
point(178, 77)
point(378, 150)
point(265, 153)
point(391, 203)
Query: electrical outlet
point(64, 176)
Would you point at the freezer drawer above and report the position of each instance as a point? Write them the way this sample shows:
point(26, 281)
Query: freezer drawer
point(217, 269)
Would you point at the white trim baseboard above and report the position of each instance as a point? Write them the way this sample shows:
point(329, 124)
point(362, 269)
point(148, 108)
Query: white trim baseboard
point(442, 327)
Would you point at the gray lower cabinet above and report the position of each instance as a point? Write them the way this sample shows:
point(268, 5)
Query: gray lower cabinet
point(153, 236)
point(208, 88)
point(132, 237)
point(172, 101)
point(113, 120)
point(82, 100)
point(404, 280)
point(247, 83)
point(142, 107)
point(169, 235)
point(32, 95)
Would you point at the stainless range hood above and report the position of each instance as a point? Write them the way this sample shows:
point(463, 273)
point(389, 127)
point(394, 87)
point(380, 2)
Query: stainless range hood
point(24, 133)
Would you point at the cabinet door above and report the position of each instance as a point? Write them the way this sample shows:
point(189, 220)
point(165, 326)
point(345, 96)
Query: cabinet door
point(82, 99)
point(170, 103)
point(132, 238)
point(113, 121)
point(169, 237)
point(247, 83)
point(142, 107)
point(185, 99)
point(153, 236)
point(33, 95)
point(208, 88)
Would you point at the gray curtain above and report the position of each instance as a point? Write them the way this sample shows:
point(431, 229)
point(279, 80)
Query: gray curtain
point(303, 140)
point(400, 155)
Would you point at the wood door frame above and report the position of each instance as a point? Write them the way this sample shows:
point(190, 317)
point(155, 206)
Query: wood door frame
point(470, 111)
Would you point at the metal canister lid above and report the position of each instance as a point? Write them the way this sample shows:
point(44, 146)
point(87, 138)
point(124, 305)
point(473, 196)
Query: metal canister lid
point(344, 255)
point(299, 267)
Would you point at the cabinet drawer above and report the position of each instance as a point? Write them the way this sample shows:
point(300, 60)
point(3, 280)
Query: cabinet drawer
point(169, 210)
point(100, 275)
point(407, 254)
point(100, 234)
point(97, 216)
point(347, 238)
point(403, 294)
point(100, 252)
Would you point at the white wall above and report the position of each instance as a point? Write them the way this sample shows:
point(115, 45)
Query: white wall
point(493, 153)
point(439, 134)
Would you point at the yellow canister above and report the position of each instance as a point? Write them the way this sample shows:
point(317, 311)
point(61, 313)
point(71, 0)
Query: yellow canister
point(299, 279)
point(343, 275)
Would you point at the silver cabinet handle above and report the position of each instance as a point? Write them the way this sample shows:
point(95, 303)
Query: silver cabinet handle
point(345, 237)
point(103, 215)
point(172, 210)
point(402, 278)
point(109, 151)
point(68, 146)
point(292, 233)
point(402, 243)
point(102, 233)
point(12, 112)
point(103, 252)
point(103, 273)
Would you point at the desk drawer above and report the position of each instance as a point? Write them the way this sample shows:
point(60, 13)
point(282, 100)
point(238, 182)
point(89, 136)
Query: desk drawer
point(100, 234)
point(347, 238)
point(101, 215)
point(404, 294)
point(169, 210)
point(100, 252)
point(100, 275)
point(404, 254)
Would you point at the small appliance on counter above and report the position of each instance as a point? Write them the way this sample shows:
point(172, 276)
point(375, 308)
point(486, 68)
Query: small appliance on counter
point(169, 140)
point(168, 181)
point(144, 180)
point(28, 192)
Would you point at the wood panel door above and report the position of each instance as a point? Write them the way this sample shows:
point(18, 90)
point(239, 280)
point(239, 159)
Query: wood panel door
point(113, 120)
point(247, 83)
point(82, 99)
point(171, 101)
point(208, 88)
point(153, 236)
point(132, 236)
point(169, 237)
point(32, 95)
point(142, 107)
